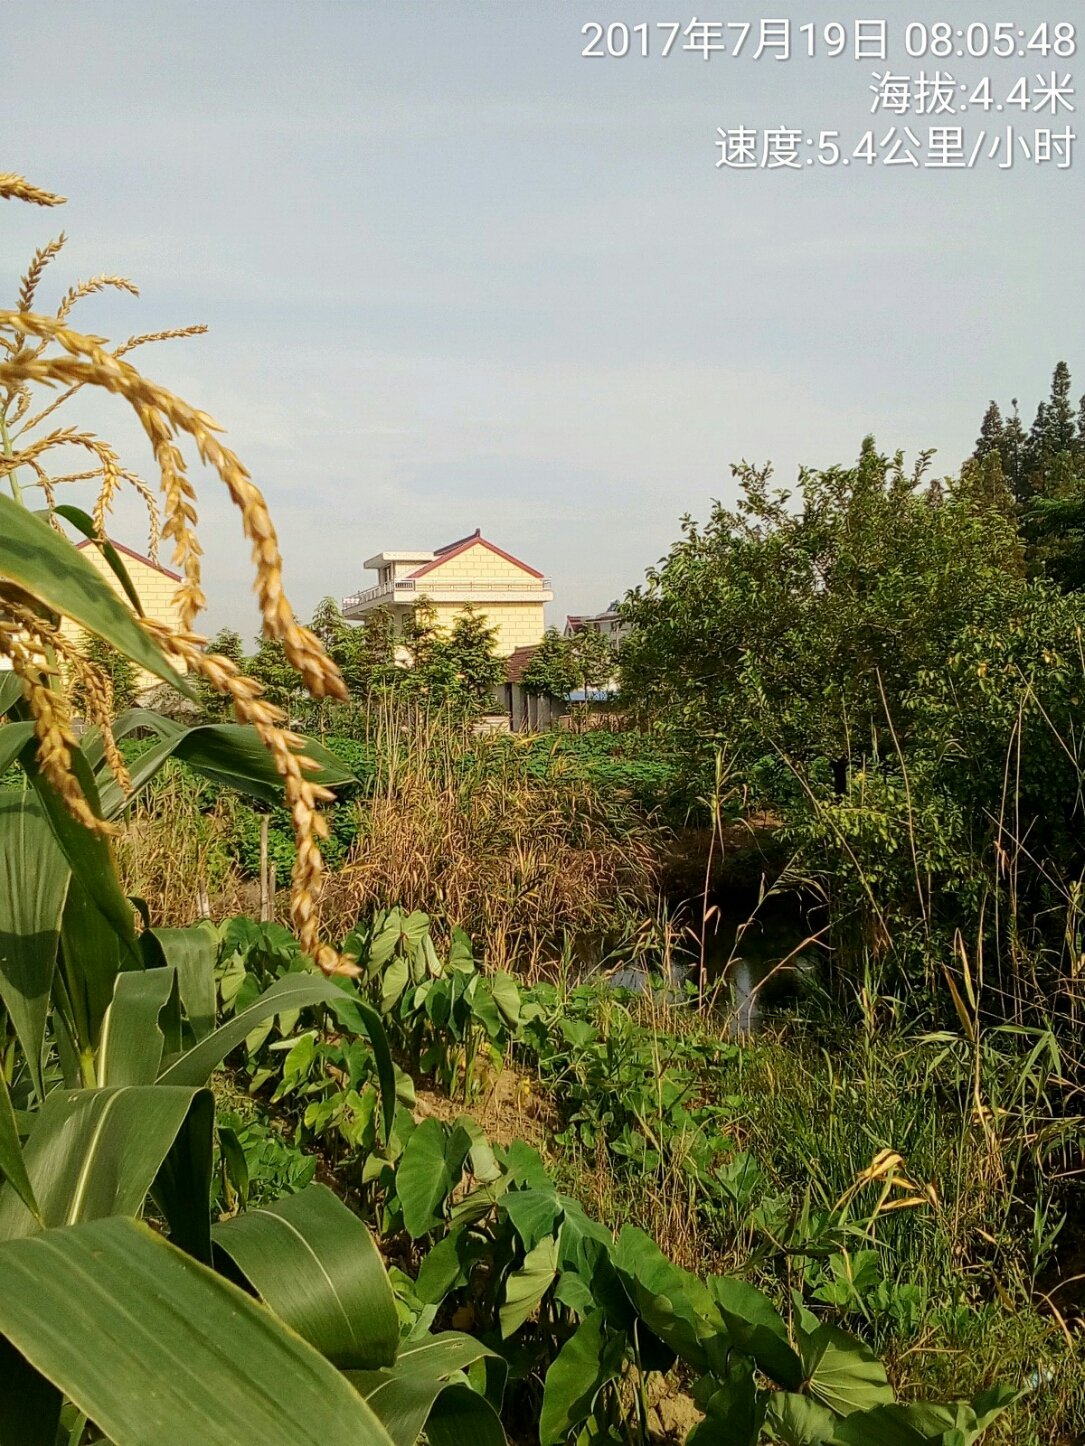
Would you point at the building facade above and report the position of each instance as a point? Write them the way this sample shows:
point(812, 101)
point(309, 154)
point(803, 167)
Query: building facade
point(473, 571)
point(155, 585)
point(609, 623)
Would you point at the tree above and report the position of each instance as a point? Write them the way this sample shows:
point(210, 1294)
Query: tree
point(365, 653)
point(457, 666)
point(592, 660)
point(471, 650)
point(992, 434)
point(549, 671)
point(801, 630)
point(269, 665)
point(120, 671)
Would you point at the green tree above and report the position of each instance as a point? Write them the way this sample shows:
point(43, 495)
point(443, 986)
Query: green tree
point(992, 433)
point(549, 671)
point(799, 629)
point(592, 659)
point(121, 672)
point(458, 666)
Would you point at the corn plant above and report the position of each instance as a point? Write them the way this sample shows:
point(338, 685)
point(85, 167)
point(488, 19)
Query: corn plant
point(113, 1331)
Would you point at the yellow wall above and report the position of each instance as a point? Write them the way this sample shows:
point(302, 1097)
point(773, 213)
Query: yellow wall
point(518, 624)
point(155, 590)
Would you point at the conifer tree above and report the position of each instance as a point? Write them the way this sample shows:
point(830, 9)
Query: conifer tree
point(992, 433)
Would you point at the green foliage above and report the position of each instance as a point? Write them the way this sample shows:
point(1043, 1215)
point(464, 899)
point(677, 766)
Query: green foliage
point(457, 666)
point(549, 671)
point(120, 671)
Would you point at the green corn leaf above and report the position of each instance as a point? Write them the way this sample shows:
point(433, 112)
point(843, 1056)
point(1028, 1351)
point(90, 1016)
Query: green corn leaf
point(13, 739)
point(179, 1354)
point(407, 1396)
point(130, 1052)
point(50, 569)
point(89, 855)
point(315, 1264)
point(85, 524)
point(92, 1153)
point(33, 884)
point(12, 1164)
point(293, 991)
point(191, 953)
point(228, 754)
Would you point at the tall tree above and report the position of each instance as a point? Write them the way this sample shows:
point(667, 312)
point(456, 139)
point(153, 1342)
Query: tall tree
point(992, 433)
point(550, 670)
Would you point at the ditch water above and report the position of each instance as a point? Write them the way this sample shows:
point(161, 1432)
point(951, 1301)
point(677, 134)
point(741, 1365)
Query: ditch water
point(758, 960)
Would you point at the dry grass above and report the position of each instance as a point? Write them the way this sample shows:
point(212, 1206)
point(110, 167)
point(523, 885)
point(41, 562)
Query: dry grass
point(457, 827)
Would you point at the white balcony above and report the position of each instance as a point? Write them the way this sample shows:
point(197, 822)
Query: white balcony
point(406, 590)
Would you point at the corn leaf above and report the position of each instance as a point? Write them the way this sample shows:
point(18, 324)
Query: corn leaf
point(228, 754)
point(50, 569)
point(179, 1354)
point(191, 952)
point(12, 1164)
point(315, 1264)
point(93, 1153)
point(33, 883)
point(409, 1396)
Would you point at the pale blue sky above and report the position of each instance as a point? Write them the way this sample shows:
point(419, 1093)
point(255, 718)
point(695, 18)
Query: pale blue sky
point(459, 276)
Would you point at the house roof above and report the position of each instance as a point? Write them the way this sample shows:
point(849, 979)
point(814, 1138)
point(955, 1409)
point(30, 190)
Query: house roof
point(517, 661)
point(138, 556)
point(476, 539)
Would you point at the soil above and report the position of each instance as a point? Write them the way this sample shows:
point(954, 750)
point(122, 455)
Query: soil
point(509, 1107)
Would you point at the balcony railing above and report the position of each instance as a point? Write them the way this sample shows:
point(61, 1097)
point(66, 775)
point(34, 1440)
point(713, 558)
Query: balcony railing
point(405, 589)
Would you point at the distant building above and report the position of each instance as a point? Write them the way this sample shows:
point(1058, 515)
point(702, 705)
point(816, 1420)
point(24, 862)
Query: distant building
point(527, 712)
point(609, 623)
point(155, 585)
point(511, 594)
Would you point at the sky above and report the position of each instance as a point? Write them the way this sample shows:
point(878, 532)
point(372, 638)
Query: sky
point(459, 275)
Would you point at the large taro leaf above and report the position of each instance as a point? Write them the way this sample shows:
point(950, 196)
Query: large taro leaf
point(229, 754)
point(93, 1153)
point(673, 1304)
point(920, 1423)
point(33, 884)
point(158, 1350)
point(50, 569)
point(799, 1421)
point(841, 1371)
point(425, 1390)
point(592, 1356)
point(756, 1327)
point(314, 1263)
point(424, 1179)
point(525, 1287)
